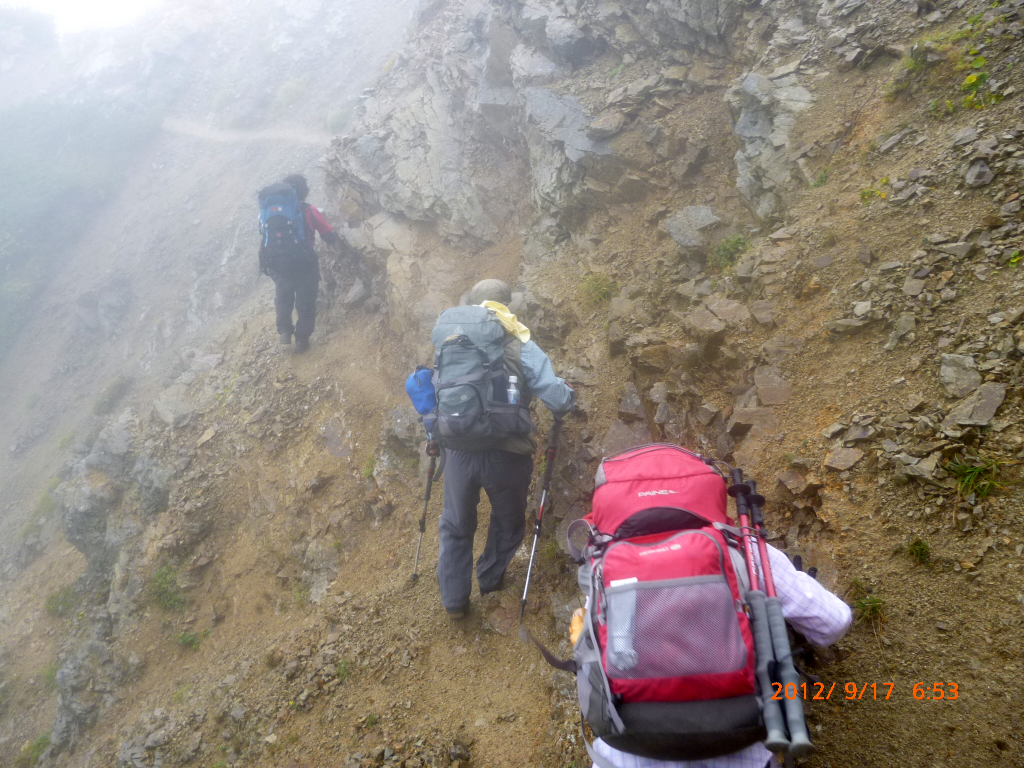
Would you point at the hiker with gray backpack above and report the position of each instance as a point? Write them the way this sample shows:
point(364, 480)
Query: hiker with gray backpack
point(486, 373)
point(288, 226)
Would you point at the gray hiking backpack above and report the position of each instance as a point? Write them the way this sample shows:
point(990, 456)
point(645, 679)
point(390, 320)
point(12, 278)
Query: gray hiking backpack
point(473, 359)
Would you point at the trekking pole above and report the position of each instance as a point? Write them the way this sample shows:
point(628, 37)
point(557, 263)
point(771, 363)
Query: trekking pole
point(799, 740)
point(549, 463)
point(776, 740)
point(423, 517)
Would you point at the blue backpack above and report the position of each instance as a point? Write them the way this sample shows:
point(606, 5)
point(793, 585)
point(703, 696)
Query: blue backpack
point(420, 389)
point(282, 225)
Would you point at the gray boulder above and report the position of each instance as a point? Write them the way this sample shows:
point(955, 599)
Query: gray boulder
point(978, 409)
point(958, 375)
point(687, 226)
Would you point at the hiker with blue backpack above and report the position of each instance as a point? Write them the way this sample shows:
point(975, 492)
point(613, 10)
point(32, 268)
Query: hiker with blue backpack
point(487, 371)
point(289, 225)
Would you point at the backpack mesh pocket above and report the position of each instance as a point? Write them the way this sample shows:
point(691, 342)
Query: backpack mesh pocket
point(672, 628)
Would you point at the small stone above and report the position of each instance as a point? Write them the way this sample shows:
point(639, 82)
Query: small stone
point(821, 261)
point(686, 226)
point(958, 375)
point(762, 311)
point(772, 388)
point(846, 325)
point(833, 431)
point(913, 286)
point(727, 310)
point(864, 255)
point(887, 145)
point(356, 295)
point(843, 459)
point(979, 408)
point(965, 136)
point(794, 481)
point(237, 713)
point(701, 322)
point(706, 414)
point(959, 250)
point(674, 73)
point(978, 174)
point(903, 327)
point(606, 125)
point(630, 406)
point(861, 308)
point(157, 739)
point(858, 433)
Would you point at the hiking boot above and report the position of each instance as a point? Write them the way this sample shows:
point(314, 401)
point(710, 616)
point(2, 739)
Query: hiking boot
point(458, 613)
point(286, 338)
point(497, 587)
point(301, 345)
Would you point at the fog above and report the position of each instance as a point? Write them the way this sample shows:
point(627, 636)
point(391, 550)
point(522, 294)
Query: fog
point(70, 16)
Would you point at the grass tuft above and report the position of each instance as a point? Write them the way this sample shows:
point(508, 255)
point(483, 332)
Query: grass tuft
point(866, 607)
point(597, 289)
point(188, 640)
point(164, 589)
point(343, 670)
point(32, 751)
point(50, 676)
point(111, 396)
point(975, 474)
point(46, 505)
point(919, 551)
point(62, 603)
point(725, 254)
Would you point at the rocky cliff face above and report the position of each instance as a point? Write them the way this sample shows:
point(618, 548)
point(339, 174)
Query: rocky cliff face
point(751, 229)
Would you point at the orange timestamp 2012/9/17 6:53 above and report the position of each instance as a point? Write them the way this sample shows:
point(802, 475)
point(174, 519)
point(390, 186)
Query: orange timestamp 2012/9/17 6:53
point(871, 691)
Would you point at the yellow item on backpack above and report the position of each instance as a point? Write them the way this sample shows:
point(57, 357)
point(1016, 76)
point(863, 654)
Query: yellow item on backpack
point(508, 321)
point(576, 625)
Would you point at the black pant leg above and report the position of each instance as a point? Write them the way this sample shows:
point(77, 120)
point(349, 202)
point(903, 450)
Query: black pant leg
point(306, 286)
point(457, 527)
point(506, 478)
point(284, 300)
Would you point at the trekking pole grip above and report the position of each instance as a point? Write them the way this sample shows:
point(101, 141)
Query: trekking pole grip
point(799, 739)
point(775, 725)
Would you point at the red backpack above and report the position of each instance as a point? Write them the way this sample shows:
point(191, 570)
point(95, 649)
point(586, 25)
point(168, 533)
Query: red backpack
point(665, 662)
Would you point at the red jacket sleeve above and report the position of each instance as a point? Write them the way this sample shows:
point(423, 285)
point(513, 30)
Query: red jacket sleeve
point(315, 220)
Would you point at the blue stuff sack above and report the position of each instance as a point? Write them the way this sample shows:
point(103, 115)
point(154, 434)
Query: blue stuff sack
point(420, 389)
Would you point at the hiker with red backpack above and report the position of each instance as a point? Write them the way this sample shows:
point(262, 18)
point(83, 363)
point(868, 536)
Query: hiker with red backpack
point(289, 225)
point(487, 370)
point(679, 651)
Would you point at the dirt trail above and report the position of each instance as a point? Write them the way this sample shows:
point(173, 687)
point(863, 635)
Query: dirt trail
point(209, 133)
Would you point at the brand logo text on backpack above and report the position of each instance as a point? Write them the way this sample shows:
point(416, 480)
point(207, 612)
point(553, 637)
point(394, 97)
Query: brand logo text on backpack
point(655, 493)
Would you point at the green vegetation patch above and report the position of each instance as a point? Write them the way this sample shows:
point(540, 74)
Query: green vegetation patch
point(597, 289)
point(32, 751)
point(165, 591)
point(725, 254)
point(975, 474)
point(50, 676)
point(111, 396)
point(63, 602)
point(919, 551)
point(188, 640)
